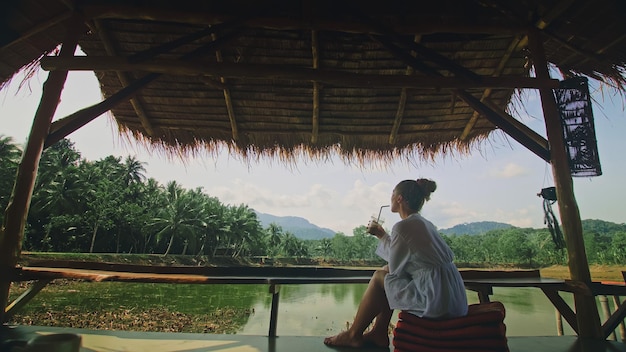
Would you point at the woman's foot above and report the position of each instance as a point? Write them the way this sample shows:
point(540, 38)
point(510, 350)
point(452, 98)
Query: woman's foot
point(378, 340)
point(344, 339)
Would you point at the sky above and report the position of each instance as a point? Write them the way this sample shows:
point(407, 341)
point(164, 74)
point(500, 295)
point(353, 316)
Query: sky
point(499, 181)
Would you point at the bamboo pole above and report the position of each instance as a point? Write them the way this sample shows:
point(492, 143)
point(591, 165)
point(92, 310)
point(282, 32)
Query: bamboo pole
point(559, 322)
point(604, 304)
point(622, 327)
point(12, 230)
point(315, 118)
point(586, 310)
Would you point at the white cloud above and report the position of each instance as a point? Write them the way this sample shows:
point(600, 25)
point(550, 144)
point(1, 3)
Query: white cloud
point(510, 170)
point(367, 199)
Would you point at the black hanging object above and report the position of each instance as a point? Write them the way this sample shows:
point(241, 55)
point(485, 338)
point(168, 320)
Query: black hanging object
point(574, 103)
point(549, 198)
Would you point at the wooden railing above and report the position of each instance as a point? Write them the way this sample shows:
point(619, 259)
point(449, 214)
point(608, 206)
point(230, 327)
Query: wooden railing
point(480, 281)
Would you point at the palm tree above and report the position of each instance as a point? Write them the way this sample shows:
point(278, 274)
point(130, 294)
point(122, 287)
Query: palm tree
point(133, 171)
point(9, 158)
point(326, 247)
point(245, 229)
point(293, 246)
point(180, 216)
point(214, 224)
point(60, 190)
point(9, 152)
point(55, 160)
point(274, 237)
point(152, 197)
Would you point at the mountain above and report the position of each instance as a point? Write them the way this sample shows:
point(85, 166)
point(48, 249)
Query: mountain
point(475, 228)
point(299, 227)
point(303, 229)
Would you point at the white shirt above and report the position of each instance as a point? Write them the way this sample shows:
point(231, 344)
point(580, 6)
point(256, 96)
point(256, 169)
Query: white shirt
point(422, 278)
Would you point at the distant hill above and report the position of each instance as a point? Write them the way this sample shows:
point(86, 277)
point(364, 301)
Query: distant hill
point(475, 228)
point(601, 226)
point(303, 229)
point(299, 227)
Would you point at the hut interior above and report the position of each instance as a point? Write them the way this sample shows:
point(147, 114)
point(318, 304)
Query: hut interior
point(367, 80)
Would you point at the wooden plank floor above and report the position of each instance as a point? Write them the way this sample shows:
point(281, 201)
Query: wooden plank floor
point(112, 341)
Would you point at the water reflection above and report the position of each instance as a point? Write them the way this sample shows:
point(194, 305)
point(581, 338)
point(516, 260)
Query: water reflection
point(320, 310)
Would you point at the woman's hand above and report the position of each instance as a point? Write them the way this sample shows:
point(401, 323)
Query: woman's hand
point(374, 228)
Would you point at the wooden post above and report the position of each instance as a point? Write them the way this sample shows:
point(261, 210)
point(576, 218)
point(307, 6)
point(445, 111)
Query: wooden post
point(604, 304)
point(559, 322)
point(622, 327)
point(12, 230)
point(275, 291)
point(586, 309)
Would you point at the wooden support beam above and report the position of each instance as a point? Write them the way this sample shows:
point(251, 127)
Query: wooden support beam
point(406, 56)
point(25, 297)
point(12, 230)
point(487, 93)
point(562, 306)
point(82, 117)
point(397, 121)
point(315, 119)
point(586, 309)
point(588, 56)
point(275, 291)
point(506, 125)
point(264, 72)
point(614, 319)
point(518, 125)
point(187, 39)
point(124, 80)
point(150, 53)
point(38, 28)
point(227, 98)
point(543, 22)
point(389, 37)
point(510, 126)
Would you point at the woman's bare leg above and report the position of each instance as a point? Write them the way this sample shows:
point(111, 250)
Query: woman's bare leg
point(373, 305)
point(379, 334)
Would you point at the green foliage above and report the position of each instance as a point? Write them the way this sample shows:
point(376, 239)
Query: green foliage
point(9, 158)
point(475, 228)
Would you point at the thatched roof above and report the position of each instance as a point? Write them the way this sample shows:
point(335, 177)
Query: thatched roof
point(298, 76)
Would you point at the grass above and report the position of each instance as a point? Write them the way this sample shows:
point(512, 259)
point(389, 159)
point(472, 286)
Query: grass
point(598, 272)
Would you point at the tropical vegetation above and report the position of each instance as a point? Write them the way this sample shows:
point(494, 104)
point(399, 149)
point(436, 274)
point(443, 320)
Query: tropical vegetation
point(112, 206)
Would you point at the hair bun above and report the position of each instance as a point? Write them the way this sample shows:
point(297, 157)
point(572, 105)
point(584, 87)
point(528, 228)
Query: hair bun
point(427, 186)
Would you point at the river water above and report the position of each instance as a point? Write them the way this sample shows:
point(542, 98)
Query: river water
point(320, 310)
point(304, 310)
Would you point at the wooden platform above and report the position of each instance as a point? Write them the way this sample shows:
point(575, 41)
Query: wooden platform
point(112, 341)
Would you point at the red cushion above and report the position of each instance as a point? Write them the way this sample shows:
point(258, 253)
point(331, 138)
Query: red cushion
point(482, 329)
point(467, 332)
point(477, 314)
point(495, 342)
